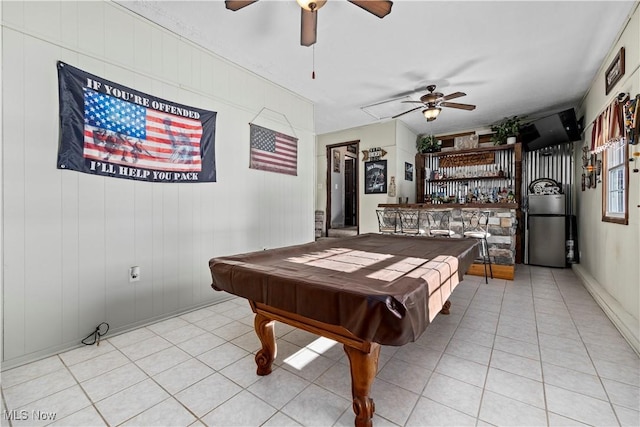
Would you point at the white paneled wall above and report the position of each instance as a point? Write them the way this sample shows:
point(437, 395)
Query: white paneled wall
point(70, 238)
point(609, 252)
point(406, 153)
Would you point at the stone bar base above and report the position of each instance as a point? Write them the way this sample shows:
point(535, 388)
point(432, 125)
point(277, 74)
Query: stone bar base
point(502, 226)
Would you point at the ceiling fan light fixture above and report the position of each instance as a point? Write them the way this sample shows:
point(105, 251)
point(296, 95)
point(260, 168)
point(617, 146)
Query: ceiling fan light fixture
point(311, 5)
point(431, 113)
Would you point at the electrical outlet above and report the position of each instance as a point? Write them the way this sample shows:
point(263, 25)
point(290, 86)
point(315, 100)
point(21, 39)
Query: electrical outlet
point(134, 274)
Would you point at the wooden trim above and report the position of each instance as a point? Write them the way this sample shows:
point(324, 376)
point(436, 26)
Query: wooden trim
point(327, 185)
point(334, 332)
point(342, 144)
point(356, 155)
point(435, 206)
point(473, 150)
point(499, 271)
point(616, 220)
point(454, 135)
point(518, 196)
point(604, 173)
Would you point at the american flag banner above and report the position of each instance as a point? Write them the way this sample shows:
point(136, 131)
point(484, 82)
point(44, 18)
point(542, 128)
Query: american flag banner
point(273, 151)
point(125, 133)
point(111, 130)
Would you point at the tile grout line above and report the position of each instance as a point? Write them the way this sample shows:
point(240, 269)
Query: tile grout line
point(421, 394)
point(564, 293)
point(230, 379)
point(535, 318)
point(91, 402)
point(173, 395)
point(486, 377)
point(133, 362)
point(595, 368)
point(4, 406)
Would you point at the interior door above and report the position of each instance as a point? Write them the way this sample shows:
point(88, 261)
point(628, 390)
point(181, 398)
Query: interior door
point(350, 218)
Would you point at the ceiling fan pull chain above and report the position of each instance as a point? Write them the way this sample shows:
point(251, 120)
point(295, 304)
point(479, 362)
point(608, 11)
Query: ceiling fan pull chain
point(313, 66)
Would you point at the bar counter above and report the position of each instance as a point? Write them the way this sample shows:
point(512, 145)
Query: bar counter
point(436, 206)
point(504, 242)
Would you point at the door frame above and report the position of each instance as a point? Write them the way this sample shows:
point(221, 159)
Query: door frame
point(329, 159)
point(350, 188)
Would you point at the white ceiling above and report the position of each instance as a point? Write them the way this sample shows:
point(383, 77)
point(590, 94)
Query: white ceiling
point(509, 57)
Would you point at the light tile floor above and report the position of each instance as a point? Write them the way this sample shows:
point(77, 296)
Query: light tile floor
point(534, 351)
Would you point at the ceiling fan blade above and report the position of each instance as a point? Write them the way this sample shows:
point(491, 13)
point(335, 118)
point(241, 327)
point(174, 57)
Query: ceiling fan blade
point(454, 95)
point(380, 8)
point(468, 107)
point(413, 102)
point(402, 114)
point(308, 27)
point(237, 4)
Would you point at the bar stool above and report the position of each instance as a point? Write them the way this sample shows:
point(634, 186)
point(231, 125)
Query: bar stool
point(439, 223)
point(387, 221)
point(409, 221)
point(475, 224)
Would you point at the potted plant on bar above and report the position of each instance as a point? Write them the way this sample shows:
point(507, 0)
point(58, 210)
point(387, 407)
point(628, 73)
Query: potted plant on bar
point(427, 144)
point(506, 131)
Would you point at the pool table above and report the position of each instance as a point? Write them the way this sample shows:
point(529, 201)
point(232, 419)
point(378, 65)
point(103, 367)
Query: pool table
point(362, 291)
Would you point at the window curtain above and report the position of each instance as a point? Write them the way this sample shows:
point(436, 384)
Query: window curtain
point(607, 128)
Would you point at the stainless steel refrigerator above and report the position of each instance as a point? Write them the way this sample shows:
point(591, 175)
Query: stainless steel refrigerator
point(546, 230)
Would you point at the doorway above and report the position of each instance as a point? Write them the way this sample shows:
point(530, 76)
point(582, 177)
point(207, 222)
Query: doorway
point(342, 190)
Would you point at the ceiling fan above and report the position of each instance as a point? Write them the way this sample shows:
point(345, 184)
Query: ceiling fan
point(309, 17)
point(433, 102)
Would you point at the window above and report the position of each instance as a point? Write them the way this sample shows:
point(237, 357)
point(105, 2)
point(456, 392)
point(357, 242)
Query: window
point(616, 171)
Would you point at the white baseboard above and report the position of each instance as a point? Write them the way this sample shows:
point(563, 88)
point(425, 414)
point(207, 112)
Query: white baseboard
point(61, 348)
point(628, 326)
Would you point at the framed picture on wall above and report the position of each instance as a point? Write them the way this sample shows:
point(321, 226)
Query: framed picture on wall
point(375, 177)
point(615, 72)
point(336, 161)
point(408, 171)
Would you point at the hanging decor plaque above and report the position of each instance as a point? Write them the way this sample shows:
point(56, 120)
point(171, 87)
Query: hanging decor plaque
point(473, 159)
point(373, 154)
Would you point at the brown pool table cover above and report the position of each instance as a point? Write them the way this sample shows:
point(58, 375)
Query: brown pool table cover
point(382, 288)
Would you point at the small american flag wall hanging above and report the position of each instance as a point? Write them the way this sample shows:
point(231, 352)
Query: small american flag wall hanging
point(273, 151)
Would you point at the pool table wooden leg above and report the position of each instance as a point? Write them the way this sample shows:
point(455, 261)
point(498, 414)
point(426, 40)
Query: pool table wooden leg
point(266, 332)
point(364, 367)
